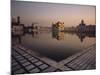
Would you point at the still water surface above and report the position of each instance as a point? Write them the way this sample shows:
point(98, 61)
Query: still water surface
point(54, 45)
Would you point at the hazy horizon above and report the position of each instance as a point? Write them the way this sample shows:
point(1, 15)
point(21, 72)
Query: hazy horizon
point(47, 13)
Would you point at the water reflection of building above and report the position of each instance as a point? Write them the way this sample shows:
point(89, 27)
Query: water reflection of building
point(59, 26)
point(82, 36)
point(18, 35)
point(58, 35)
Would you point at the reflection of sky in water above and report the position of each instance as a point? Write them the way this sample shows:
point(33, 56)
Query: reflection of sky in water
point(48, 45)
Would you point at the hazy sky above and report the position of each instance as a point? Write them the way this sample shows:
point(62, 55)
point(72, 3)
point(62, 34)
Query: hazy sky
point(46, 13)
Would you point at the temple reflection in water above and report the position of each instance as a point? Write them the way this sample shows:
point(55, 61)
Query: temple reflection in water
point(59, 35)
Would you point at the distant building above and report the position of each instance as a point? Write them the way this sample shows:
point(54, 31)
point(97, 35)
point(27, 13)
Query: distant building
point(91, 28)
point(59, 26)
point(82, 27)
point(16, 25)
point(70, 29)
point(36, 26)
point(31, 28)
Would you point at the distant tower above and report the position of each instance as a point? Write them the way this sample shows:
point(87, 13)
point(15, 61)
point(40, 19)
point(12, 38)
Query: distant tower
point(82, 22)
point(18, 19)
point(33, 25)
